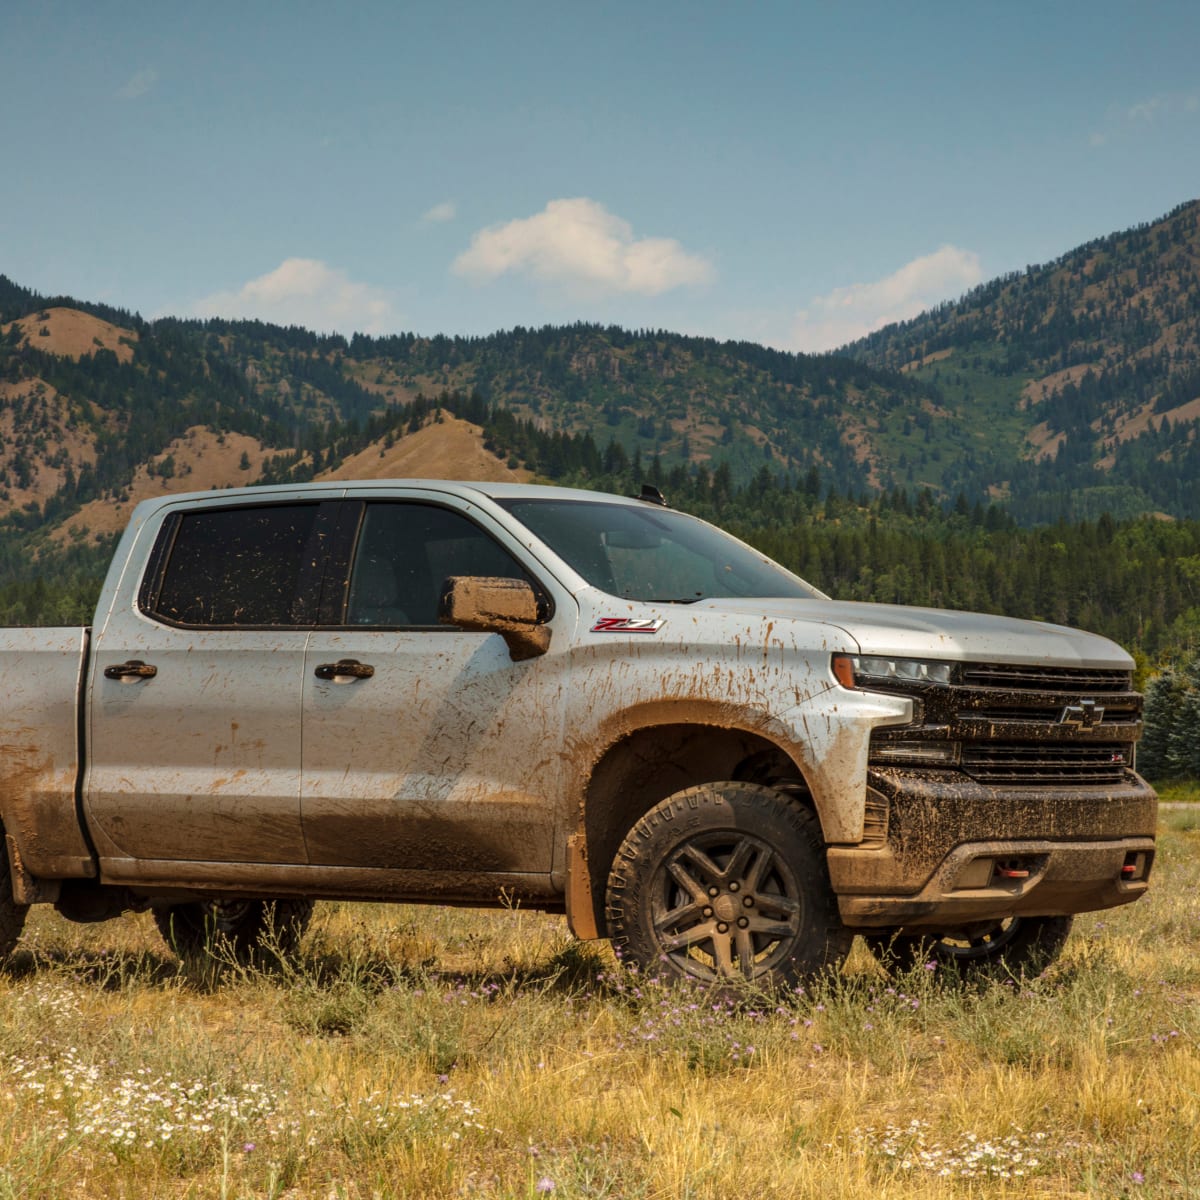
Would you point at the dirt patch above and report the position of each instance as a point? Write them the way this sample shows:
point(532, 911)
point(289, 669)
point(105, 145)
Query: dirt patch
point(451, 449)
point(70, 333)
point(1045, 443)
point(1138, 422)
point(917, 363)
point(1036, 390)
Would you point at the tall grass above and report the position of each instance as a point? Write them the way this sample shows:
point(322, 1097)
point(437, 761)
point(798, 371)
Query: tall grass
point(438, 1052)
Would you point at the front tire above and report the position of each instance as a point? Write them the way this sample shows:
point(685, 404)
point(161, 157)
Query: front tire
point(247, 931)
point(1013, 947)
point(726, 881)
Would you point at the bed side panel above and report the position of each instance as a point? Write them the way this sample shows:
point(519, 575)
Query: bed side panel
point(41, 673)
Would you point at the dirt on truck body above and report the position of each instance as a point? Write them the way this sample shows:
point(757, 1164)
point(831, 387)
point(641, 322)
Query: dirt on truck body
point(470, 693)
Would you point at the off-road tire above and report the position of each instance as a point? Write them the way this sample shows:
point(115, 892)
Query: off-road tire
point(12, 914)
point(249, 932)
point(1017, 947)
point(722, 882)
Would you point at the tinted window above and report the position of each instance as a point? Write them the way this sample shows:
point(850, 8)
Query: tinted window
point(406, 551)
point(237, 567)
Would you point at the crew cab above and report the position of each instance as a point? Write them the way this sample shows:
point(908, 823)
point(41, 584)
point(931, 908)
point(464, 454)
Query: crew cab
point(476, 693)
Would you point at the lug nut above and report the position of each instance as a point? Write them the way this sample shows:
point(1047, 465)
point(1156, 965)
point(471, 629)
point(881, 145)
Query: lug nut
point(722, 928)
point(743, 922)
point(708, 912)
point(712, 891)
point(735, 886)
point(748, 901)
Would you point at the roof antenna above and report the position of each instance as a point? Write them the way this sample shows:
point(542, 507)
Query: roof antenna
point(651, 495)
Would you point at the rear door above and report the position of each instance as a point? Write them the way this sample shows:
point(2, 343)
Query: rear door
point(196, 690)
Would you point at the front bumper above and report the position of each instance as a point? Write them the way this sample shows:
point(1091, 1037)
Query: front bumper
point(953, 851)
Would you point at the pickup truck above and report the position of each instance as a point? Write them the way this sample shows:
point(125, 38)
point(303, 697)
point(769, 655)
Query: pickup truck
point(480, 694)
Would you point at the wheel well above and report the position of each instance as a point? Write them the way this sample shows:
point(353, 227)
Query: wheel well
point(654, 763)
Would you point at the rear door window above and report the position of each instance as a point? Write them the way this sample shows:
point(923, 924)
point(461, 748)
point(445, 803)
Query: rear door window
point(241, 568)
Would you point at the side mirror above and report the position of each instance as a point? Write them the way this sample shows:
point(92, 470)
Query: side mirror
point(487, 604)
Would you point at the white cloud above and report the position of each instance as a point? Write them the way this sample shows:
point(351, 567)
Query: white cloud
point(304, 291)
point(578, 243)
point(1149, 111)
point(851, 312)
point(138, 84)
point(446, 211)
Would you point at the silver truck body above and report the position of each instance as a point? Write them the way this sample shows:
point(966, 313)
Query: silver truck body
point(241, 763)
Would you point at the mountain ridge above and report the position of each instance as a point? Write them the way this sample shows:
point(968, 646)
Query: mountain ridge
point(1062, 391)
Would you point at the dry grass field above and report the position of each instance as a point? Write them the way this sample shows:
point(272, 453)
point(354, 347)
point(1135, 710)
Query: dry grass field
point(433, 1052)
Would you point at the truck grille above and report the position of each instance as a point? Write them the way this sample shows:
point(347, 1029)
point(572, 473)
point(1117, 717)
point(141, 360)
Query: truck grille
point(1031, 726)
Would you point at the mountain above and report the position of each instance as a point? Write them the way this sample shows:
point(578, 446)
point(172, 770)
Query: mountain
point(1072, 387)
point(98, 406)
point(1062, 391)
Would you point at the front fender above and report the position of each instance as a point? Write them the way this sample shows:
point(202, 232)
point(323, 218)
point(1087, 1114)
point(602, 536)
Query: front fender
point(829, 736)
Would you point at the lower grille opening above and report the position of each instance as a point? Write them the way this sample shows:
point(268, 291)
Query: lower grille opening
point(1000, 762)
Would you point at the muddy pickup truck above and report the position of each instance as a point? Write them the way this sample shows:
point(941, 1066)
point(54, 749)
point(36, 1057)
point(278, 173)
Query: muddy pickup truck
point(481, 694)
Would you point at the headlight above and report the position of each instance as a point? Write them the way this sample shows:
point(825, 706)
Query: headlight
point(852, 670)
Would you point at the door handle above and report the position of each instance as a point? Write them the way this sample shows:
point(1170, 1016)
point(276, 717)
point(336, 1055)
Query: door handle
point(345, 670)
point(133, 669)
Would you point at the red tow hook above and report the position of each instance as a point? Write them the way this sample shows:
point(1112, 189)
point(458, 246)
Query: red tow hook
point(1011, 872)
point(1128, 871)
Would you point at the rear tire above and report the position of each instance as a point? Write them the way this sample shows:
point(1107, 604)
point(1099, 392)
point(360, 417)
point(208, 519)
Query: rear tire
point(247, 931)
point(723, 882)
point(12, 914)
point(1016, 946)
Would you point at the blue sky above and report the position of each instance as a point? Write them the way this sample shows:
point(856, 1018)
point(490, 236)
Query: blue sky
point(794, 174)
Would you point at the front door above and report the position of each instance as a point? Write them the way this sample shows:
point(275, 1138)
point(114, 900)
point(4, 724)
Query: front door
point(427, 748)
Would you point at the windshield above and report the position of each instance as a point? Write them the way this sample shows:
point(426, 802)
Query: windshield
point(654, 554)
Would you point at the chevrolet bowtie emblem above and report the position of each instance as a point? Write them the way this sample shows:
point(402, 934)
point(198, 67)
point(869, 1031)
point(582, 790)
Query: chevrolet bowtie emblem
point(1087, 714)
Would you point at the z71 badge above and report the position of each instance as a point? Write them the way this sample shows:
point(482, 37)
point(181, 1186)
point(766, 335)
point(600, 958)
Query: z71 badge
point(627, 625)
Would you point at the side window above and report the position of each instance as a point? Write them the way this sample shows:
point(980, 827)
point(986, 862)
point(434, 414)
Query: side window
point(235, 567)
point(406, 551)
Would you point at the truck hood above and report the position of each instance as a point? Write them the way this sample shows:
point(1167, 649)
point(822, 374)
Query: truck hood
point(902, 632)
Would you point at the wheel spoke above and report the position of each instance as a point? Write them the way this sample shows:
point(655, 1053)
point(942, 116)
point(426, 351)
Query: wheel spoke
point(745, 952)
point(735, 868)
point(772, 902)
point(758, 869)
point(723, 954)
point(693, 887)
point(691, 937)
point(708, 868)
point(772, 929)
point(685, 914)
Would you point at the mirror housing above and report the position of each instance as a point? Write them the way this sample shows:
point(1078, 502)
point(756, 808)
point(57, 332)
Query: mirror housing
point(492, 604)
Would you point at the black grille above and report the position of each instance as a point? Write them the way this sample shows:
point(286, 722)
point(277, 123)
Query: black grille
point(1003, 762)
point(1027, 725)
point(1016, 677)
